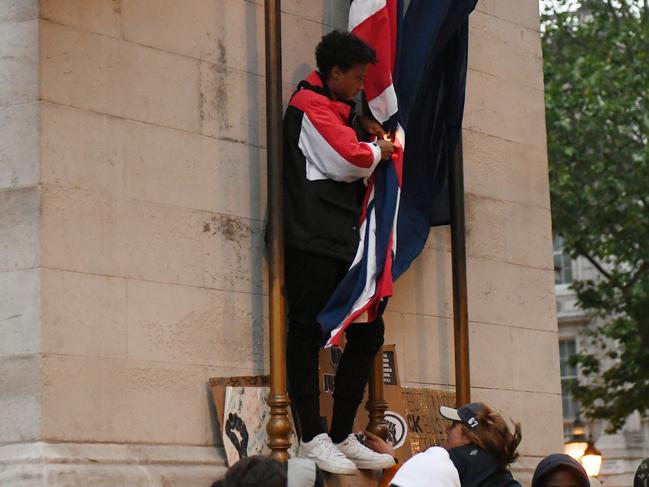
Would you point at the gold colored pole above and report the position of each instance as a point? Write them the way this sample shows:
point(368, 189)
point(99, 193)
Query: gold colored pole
point(376, 405)
point(279, 427)
point(460, 300)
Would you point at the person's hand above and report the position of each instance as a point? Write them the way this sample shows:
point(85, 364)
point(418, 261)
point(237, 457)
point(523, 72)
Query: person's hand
point(387, 148)
point(378, 444)
point(371, 126)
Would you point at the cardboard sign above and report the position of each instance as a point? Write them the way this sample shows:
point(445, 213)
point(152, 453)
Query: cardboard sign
point(243, 412)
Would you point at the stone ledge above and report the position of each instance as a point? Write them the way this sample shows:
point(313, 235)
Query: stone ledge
point(109, 464)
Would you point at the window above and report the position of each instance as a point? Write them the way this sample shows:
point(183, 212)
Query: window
point(567, 349)
point(562, 263)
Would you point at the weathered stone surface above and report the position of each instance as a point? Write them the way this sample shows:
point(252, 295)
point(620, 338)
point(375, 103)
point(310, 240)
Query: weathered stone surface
point(20, 401)
point(504, 109)
point(86, 233)
point(539, 413)
point(20, 312)
point(523, 13)
point(171, 323)
point(126, 401)
point(19, 145)
point(82, 149)
point(18, 10)
point(123, 79)
point(510, 294)
point(537, 369)
point(505, 50)
point(230, 104)
point(180, 169)
point(99, 16)
point(104, 464)
point(18, 61)
point(83, 314)
point(19, 229)
point(425, 288)
point(492, 351)
point(428, 354)
point(505, 170)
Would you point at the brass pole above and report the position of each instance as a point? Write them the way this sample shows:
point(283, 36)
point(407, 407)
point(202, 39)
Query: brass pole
point(376, 405)
point(278, 427)
point(460, 304)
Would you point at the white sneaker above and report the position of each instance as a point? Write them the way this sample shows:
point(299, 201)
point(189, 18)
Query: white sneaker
point(325, 454)
point(362, 456)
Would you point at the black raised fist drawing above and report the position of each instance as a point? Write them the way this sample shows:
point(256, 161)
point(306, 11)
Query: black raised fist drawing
point(235, 425)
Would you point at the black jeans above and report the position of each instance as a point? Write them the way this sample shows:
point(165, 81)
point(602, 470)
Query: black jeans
point(310, 281)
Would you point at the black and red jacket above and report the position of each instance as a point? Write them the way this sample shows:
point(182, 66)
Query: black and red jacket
point(324, 167)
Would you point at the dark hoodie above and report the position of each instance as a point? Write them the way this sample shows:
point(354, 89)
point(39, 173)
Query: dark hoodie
point(480, 468)
point(555, 461)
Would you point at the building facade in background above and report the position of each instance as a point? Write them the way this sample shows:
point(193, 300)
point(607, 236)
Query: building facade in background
point(623, 451)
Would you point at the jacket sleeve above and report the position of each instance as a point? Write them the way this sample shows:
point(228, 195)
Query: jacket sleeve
point(331, 148)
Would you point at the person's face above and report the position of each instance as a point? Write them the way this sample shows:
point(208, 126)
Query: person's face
point(562, 478)
point(456, 436)
point(345, 85)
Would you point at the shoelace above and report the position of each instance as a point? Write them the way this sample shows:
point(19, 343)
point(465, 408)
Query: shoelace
point(330, 447)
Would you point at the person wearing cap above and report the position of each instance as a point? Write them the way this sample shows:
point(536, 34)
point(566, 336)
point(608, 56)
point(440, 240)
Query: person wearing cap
point(560, 470)
point(481, 445)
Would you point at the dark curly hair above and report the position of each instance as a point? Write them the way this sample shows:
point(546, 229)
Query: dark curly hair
point(255, 471)
point(342, 49)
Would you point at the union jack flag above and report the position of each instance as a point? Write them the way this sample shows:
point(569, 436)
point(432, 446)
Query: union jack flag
point(418, 83)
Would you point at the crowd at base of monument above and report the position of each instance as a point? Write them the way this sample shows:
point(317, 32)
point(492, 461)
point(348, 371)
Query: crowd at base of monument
point(478, 451)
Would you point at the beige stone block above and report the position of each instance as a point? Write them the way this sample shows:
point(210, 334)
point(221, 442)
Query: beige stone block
point(529, 236)
point(171, 323)
point(176, 245)
point(20, 399)
point(191, 171)
point(439, 238)
point(19, 229)
point(503, 109)
point(126, 401)
point(80, 233)
point(425, 288)
point(394, 332)
point(18, 10)
point(191, 27)
point(118, 78)
point(232, 104)
point(83, 314)
point(485, 227)
point(428, 356)
point(100, 16)
point(509, 294)
point(19, 145)
point(537, 369)
point(505, 170)
point(506, 50)
point(18, 62)
point(523, 12)
point(87, 233)
point(82, 149)
point(19, 312)
point(492, 353)
point(539, 414)
point(299, 40)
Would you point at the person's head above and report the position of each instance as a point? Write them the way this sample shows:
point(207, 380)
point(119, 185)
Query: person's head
point(560, 470)
point(641, 478)
point(478, 424)
point(253, 472)
point(434, 463)
point(342, 60)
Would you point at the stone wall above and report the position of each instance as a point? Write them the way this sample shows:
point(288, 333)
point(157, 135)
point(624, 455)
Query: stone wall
point(131, 236)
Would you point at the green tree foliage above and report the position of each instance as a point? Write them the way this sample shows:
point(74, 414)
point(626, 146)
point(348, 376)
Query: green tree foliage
point(597, 84)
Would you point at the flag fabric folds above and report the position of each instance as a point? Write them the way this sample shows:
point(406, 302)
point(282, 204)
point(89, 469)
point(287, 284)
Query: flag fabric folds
point(415, 88)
